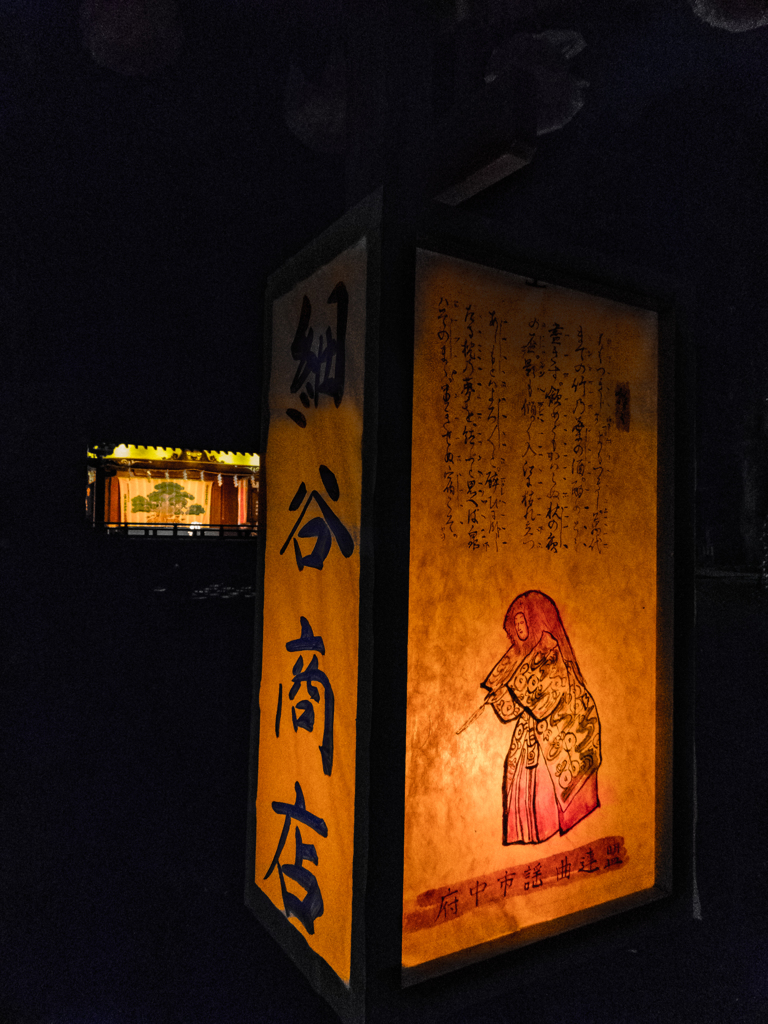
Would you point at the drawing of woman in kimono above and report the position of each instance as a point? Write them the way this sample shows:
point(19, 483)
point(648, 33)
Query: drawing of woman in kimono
point(550, 772)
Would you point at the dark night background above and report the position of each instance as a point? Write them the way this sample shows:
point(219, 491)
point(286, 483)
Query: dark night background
point(148, 188)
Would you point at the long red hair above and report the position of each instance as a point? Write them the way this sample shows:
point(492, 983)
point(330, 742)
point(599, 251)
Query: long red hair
point(541, 615)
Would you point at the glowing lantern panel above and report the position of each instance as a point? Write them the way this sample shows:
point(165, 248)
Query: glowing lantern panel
point(531, 751)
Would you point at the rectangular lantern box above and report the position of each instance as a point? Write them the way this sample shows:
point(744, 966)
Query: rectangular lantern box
point(474, 621)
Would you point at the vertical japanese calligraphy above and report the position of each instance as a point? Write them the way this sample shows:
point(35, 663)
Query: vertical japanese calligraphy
point(474, 427)
point(308, 692)
point(535, 429)
point(525, 467)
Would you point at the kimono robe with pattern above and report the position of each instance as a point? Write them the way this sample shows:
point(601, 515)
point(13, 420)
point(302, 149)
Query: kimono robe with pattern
point(550, 772)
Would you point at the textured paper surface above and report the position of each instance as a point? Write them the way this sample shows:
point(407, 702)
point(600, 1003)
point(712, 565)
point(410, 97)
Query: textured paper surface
point(326, 595)
point(500, 366)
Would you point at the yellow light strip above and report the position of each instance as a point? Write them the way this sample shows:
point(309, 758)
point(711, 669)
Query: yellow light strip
point(131, 451)
point(234, 458)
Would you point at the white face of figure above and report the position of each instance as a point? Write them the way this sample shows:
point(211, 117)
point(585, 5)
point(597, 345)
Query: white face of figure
point(521, 626)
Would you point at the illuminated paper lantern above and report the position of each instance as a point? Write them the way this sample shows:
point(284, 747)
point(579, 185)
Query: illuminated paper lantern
point(467, 658)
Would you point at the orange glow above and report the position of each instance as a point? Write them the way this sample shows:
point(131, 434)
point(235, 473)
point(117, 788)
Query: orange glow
point(532, 590)
point(311, 623)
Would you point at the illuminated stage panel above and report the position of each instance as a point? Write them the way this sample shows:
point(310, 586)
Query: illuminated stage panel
point(534, 554)
point(135, 489)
